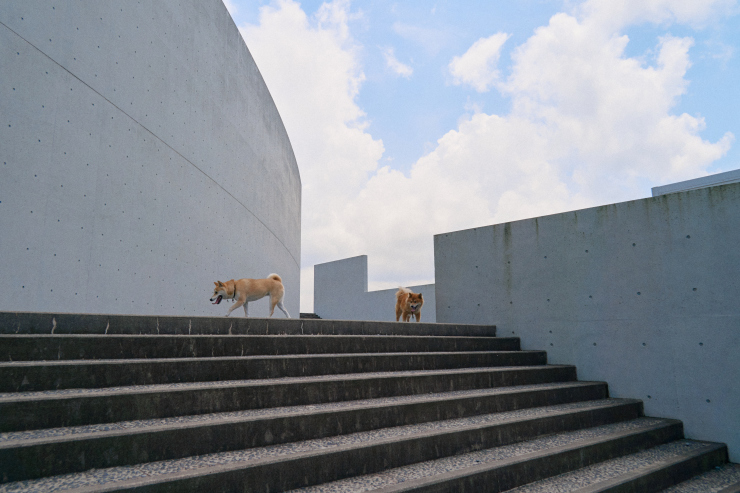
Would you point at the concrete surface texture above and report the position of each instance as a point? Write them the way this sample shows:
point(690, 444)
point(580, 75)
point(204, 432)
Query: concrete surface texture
point(340, 293)
point(142, 158)
point(642, 294)
point(703, 182)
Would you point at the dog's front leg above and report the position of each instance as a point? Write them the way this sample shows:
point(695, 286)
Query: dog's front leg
point(246, 311)
point(239, 302)
point(231, 309)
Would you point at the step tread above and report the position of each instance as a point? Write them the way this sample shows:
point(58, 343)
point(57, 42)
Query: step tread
point(615, 471)
point(227, 359)
point(186, 386)
point(25, 438)
point(65, 323)
point(722, 479)
point(252, 336)
point(192, 466)
point(568, 482)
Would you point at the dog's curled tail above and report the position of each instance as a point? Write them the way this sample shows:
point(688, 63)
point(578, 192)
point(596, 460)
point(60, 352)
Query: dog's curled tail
point(402, 290)
point(276, 278)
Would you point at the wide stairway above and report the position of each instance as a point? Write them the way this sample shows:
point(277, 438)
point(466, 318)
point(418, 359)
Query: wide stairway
point(134, 403)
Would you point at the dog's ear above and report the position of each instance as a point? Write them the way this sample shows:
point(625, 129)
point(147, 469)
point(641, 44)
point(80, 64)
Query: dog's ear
point(420, 296)
point(219, 283)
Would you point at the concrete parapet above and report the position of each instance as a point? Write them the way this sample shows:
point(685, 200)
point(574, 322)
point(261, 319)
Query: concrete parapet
point(643, 294)
point(703, 182)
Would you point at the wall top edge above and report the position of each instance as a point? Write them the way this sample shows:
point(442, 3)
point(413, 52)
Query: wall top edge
point(733, 187)
point(703, 182)
point(357, 257)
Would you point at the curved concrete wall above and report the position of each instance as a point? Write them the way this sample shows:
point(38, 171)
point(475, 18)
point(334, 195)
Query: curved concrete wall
point(142, 158)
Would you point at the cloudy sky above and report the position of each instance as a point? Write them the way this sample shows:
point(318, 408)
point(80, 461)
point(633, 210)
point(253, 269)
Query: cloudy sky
point(414, 118)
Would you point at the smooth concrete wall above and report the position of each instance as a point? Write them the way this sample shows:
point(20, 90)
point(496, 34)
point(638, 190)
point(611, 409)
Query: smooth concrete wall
point(644, 295)
point(340, 293)
point(142, 158)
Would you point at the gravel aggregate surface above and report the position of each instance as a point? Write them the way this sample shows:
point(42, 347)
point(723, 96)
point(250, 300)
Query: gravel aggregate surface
point(244, 457)
point(204, 419)
point(155, 388)
point(712, 481)
point(610, 469)
point(427, 469)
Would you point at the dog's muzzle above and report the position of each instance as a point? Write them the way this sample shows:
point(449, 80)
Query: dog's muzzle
point(218, 300)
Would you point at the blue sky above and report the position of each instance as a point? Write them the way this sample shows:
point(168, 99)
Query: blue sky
point(410, 119)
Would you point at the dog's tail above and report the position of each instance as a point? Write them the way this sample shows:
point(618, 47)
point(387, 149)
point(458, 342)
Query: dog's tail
point(275, 277)
point(402, 290)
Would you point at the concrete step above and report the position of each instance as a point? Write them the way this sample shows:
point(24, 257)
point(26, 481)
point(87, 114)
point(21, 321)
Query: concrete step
point(39, 453)
point(724, 478)
point(76, 407)
point(38, 347)
point(123, 403)
point(612, 425)
point(648, 470)
point(576, 462)
point(91, 374)
point(75, 323)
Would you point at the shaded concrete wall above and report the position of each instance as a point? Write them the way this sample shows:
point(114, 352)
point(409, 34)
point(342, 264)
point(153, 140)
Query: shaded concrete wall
point(141, 159)
point(643, 294)
point(340, 293)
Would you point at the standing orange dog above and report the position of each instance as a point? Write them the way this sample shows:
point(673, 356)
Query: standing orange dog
point(245, 290)
point(407, 304)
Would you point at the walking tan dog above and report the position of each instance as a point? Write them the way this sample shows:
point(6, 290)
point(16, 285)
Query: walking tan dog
point(246, 290)
point(407, 304)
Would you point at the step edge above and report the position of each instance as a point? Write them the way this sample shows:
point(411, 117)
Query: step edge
point(348, 448)
point(648, 470)
point(24, 396)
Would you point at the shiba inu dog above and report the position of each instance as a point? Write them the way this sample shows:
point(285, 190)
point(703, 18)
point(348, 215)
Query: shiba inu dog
point(407, 304)
point(245, 290)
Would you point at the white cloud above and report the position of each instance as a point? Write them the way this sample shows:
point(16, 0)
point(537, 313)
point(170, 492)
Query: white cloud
point(430, 39)
point(477, 66)
point(613, 16)
point(588, 125)
point(392, 62)
point(311, 67)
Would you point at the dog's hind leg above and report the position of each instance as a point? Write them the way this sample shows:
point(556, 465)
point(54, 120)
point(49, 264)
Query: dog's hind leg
point(282, 308)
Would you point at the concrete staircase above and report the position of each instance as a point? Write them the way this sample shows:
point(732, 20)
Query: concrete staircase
point(124, 403)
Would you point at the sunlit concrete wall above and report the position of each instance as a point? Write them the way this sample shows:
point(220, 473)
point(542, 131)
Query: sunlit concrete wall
point(142, 158)
point(340, 293)
point(643, 294)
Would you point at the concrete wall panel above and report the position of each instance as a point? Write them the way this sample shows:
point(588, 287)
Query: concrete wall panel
point(340, 293)
point(142, 159)
point(641, 294)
